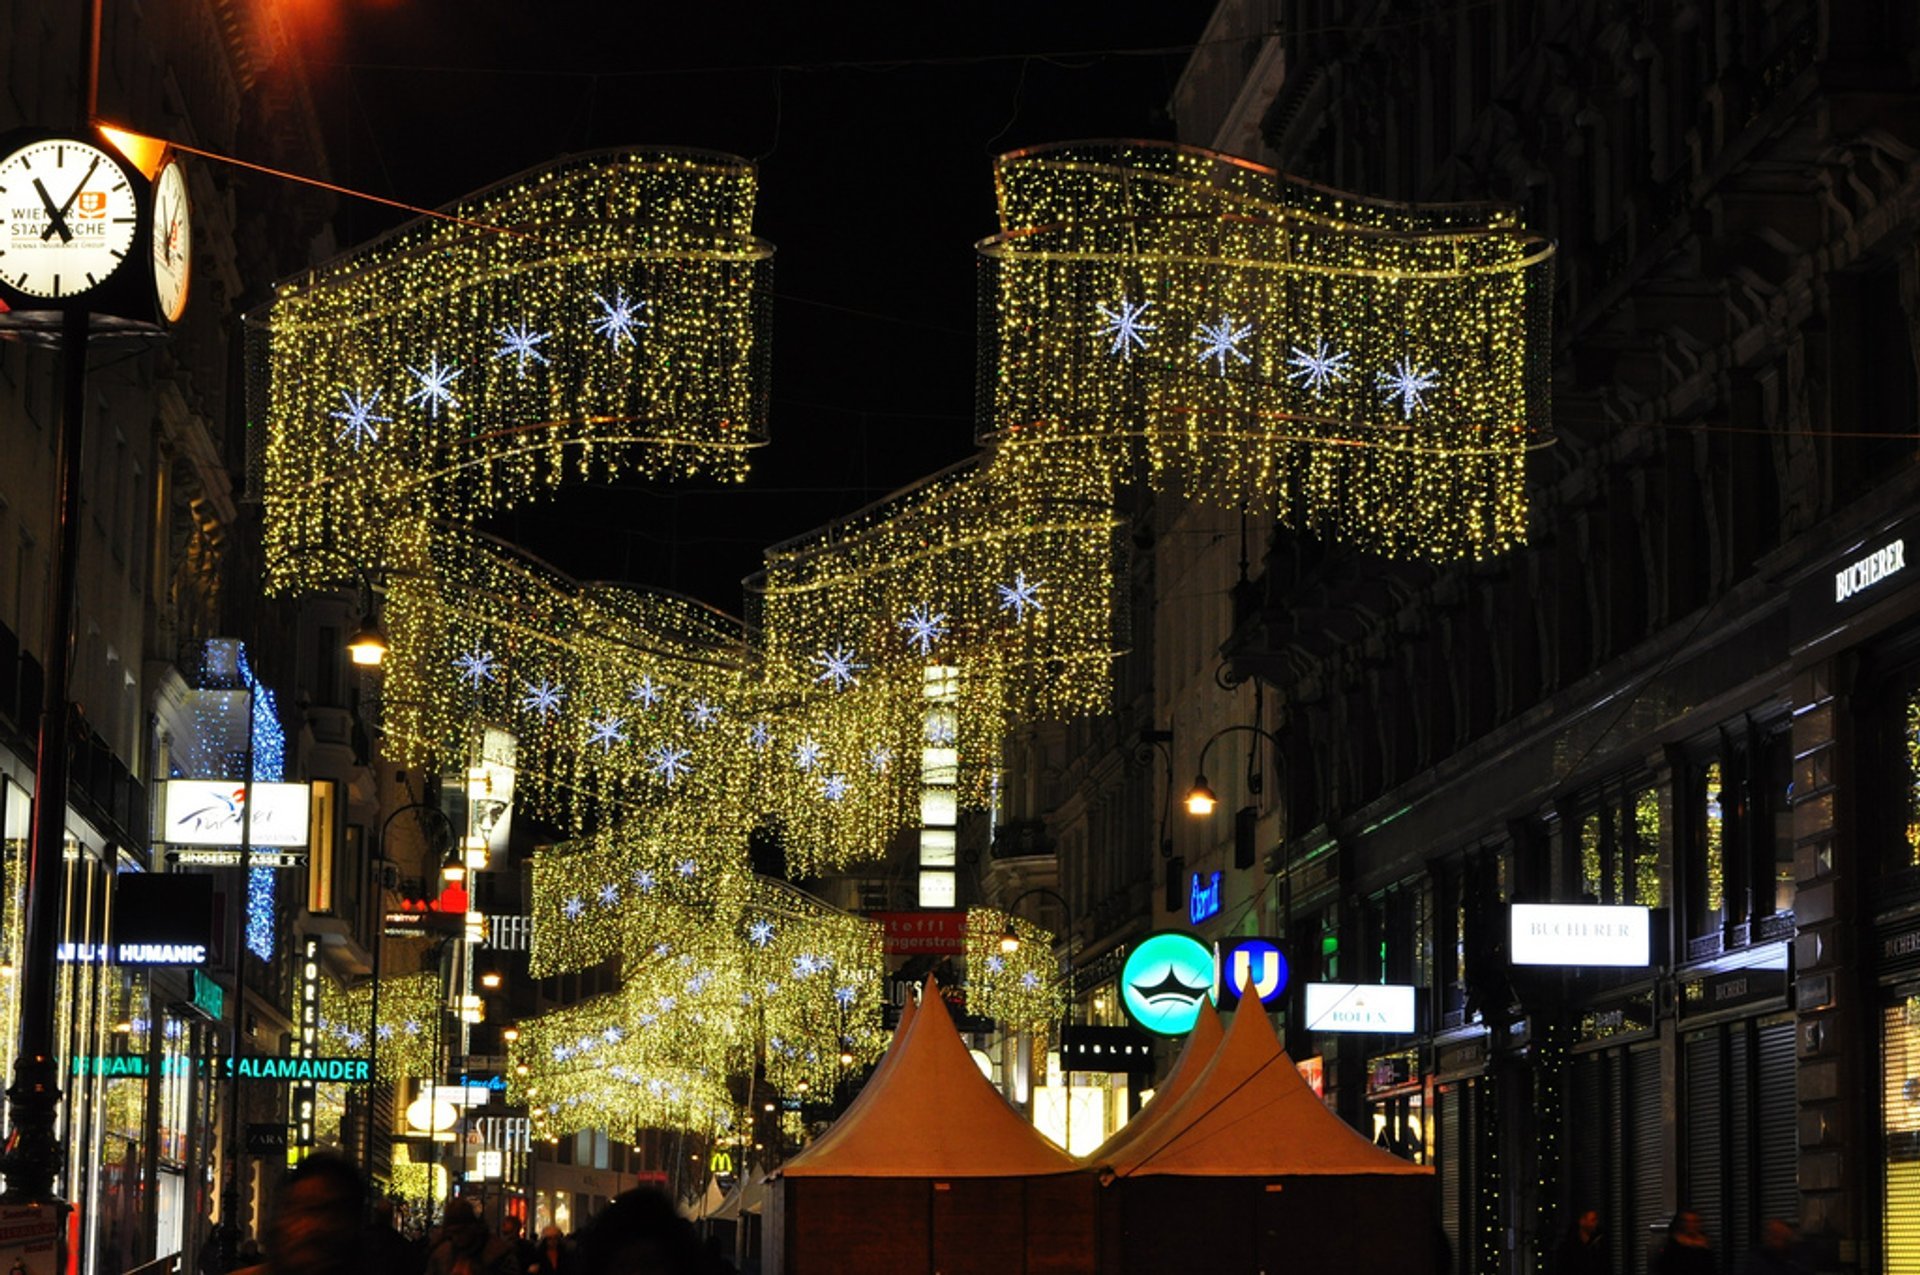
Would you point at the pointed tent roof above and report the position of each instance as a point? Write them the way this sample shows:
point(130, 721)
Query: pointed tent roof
point(929, 1113)
point(1202, 1043)
point(709, 1204)
point(1250, 1114)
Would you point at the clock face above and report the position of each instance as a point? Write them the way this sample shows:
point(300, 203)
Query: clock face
point(171, 241)
point(71, 215)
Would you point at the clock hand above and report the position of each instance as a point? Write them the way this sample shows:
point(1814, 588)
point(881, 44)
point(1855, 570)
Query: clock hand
point(65, 234)
point(58, 220)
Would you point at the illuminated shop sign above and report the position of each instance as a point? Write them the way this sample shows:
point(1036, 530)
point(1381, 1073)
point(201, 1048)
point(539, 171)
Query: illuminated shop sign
point(1581, 934)
point(132, 954)
point(1360, 1007)
point(1165, 979)
point(1248, 966)
point(207, 812)
point(1864, 573)
point(334, 1071)
point(1203, 900)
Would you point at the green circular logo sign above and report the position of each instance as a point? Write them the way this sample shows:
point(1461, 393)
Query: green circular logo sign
point(1164, 981)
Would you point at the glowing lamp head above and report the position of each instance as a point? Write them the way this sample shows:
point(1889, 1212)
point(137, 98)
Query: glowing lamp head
point(368, 645)
point(1200, 798)
point(1009, 941)
point(491, 980)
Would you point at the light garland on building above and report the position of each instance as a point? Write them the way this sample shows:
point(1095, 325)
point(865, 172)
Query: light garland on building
point(410, 1006)
point(1365, 371)
point(1021, 988)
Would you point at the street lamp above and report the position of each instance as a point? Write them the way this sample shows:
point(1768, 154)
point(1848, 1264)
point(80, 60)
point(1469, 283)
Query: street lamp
point(379, 944)
point(368, 646)
point(1200, 799)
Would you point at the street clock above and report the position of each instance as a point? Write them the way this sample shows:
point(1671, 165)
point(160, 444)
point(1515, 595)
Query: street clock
point(72, 217)
point(172, 241)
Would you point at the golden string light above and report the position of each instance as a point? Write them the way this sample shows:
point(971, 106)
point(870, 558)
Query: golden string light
point(1365, 371)
point(410, 1007)
point(1022, 987)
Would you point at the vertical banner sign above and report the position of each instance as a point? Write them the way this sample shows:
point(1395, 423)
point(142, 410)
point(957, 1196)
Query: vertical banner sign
point(309, 1009)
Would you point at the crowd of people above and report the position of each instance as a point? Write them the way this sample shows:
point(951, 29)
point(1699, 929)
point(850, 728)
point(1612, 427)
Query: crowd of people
point(318, 1226)
point(1686, 1249)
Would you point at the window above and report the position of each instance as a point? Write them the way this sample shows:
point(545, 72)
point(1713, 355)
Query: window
point(1618, 846)
point(1739, 838)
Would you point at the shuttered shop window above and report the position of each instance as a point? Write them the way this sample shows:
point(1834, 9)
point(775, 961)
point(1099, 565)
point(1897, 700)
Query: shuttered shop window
point(1778, 1133)
point(1742, 1118)
point(1451, 1146)
point(1901, 1119)
point(1643, 1093)
point(1705, 1117)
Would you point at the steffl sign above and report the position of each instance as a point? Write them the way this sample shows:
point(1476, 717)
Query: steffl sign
point(1581, 934)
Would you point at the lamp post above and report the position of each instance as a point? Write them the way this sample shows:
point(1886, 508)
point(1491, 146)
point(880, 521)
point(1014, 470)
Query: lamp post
point(379, 944)
point(1200, 802)
point(1010, 943)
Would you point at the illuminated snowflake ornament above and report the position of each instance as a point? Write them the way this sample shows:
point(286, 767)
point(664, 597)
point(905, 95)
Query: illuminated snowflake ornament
point(878, 759)
point(924, 627)
point(940, 732)
point(995, 964)
point(1322, 367)
point(618, 317)
point(668, 762)
point(1221, 340)
point(476, 666)
point(606, 732)
point(1126, 327)
point(362, 426)
point(703, 714)
point(838, 667)
point(542, 697)
point(760, 736)
point(686, 868)
point(573, 907)
point(609, 895)
point(435, 390)
point(1029, 980)
point(520, 343)
point(643, 880)
point(807, 754)
point(845, 994)
point(760, 933)
point(1407, 383)
point(834, 787)
point(1021, 596)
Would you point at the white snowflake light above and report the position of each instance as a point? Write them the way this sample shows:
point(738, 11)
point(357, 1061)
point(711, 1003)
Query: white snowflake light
point(520, 343)
point(362, 426)
point(1126, 328)
point(1315, 371)
point(686, 867)
point(879, 758)
point(435, 390)
point(845, 994)
point(1021, 595)
point(609, 895)
point(644, 692)
point(924, 627)
point(760, 736)
point(618, 317)
point(542, 697)
point(573, 907)
point(995, 964)
point(702, 714)
point(807, 755)
point(940, 732)
point(838, 667)
point(1221, 340)
point(476, 666)
point(760, 933)
point(606, 732)
point(1407, 383)
point(834, 787)
point(668, 762)
point(643, 880)
point(1029, 980)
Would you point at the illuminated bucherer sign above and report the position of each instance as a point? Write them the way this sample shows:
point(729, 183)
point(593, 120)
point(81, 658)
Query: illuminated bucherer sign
point(133, 953)
point(1580, 934)
point(1359, 1007)
point(1869, 571)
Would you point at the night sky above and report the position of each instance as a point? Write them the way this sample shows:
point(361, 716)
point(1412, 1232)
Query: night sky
point(873, 128)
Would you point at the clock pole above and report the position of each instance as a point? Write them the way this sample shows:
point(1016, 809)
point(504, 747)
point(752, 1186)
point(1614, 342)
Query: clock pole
point(32, 1162)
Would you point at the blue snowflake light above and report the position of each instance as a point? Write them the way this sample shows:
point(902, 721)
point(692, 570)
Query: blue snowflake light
point(609, 895)
point(644, 692)
point(924, 627)
point(834, 787)
point(1221, 340)
point(668, 762)
point(995, 964)
point(807, 755)
point(806, 965)
point(573, 907)
point(879, 758)
point(1314, 371)
point(1407, 383)
point(435, 390)
point(845, 994)
point(1021, 596)
point(760, 736)
point(940, 732)
point(476, 666)
point(362, 426)
point(643, 880)
point(606, 732)
point(1029, 980)
point(838, 667)
point(686, 867)
point(618, 317)
point(542, 697)
point(703, 714)
point(1126, 327)
point(760, 933)
point(520, 343)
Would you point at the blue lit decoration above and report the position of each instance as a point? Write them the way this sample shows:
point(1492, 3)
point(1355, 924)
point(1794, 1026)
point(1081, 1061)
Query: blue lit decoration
point(1165, 979)
point(1203, 900)
point(1249, 965)
point(267, 744)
